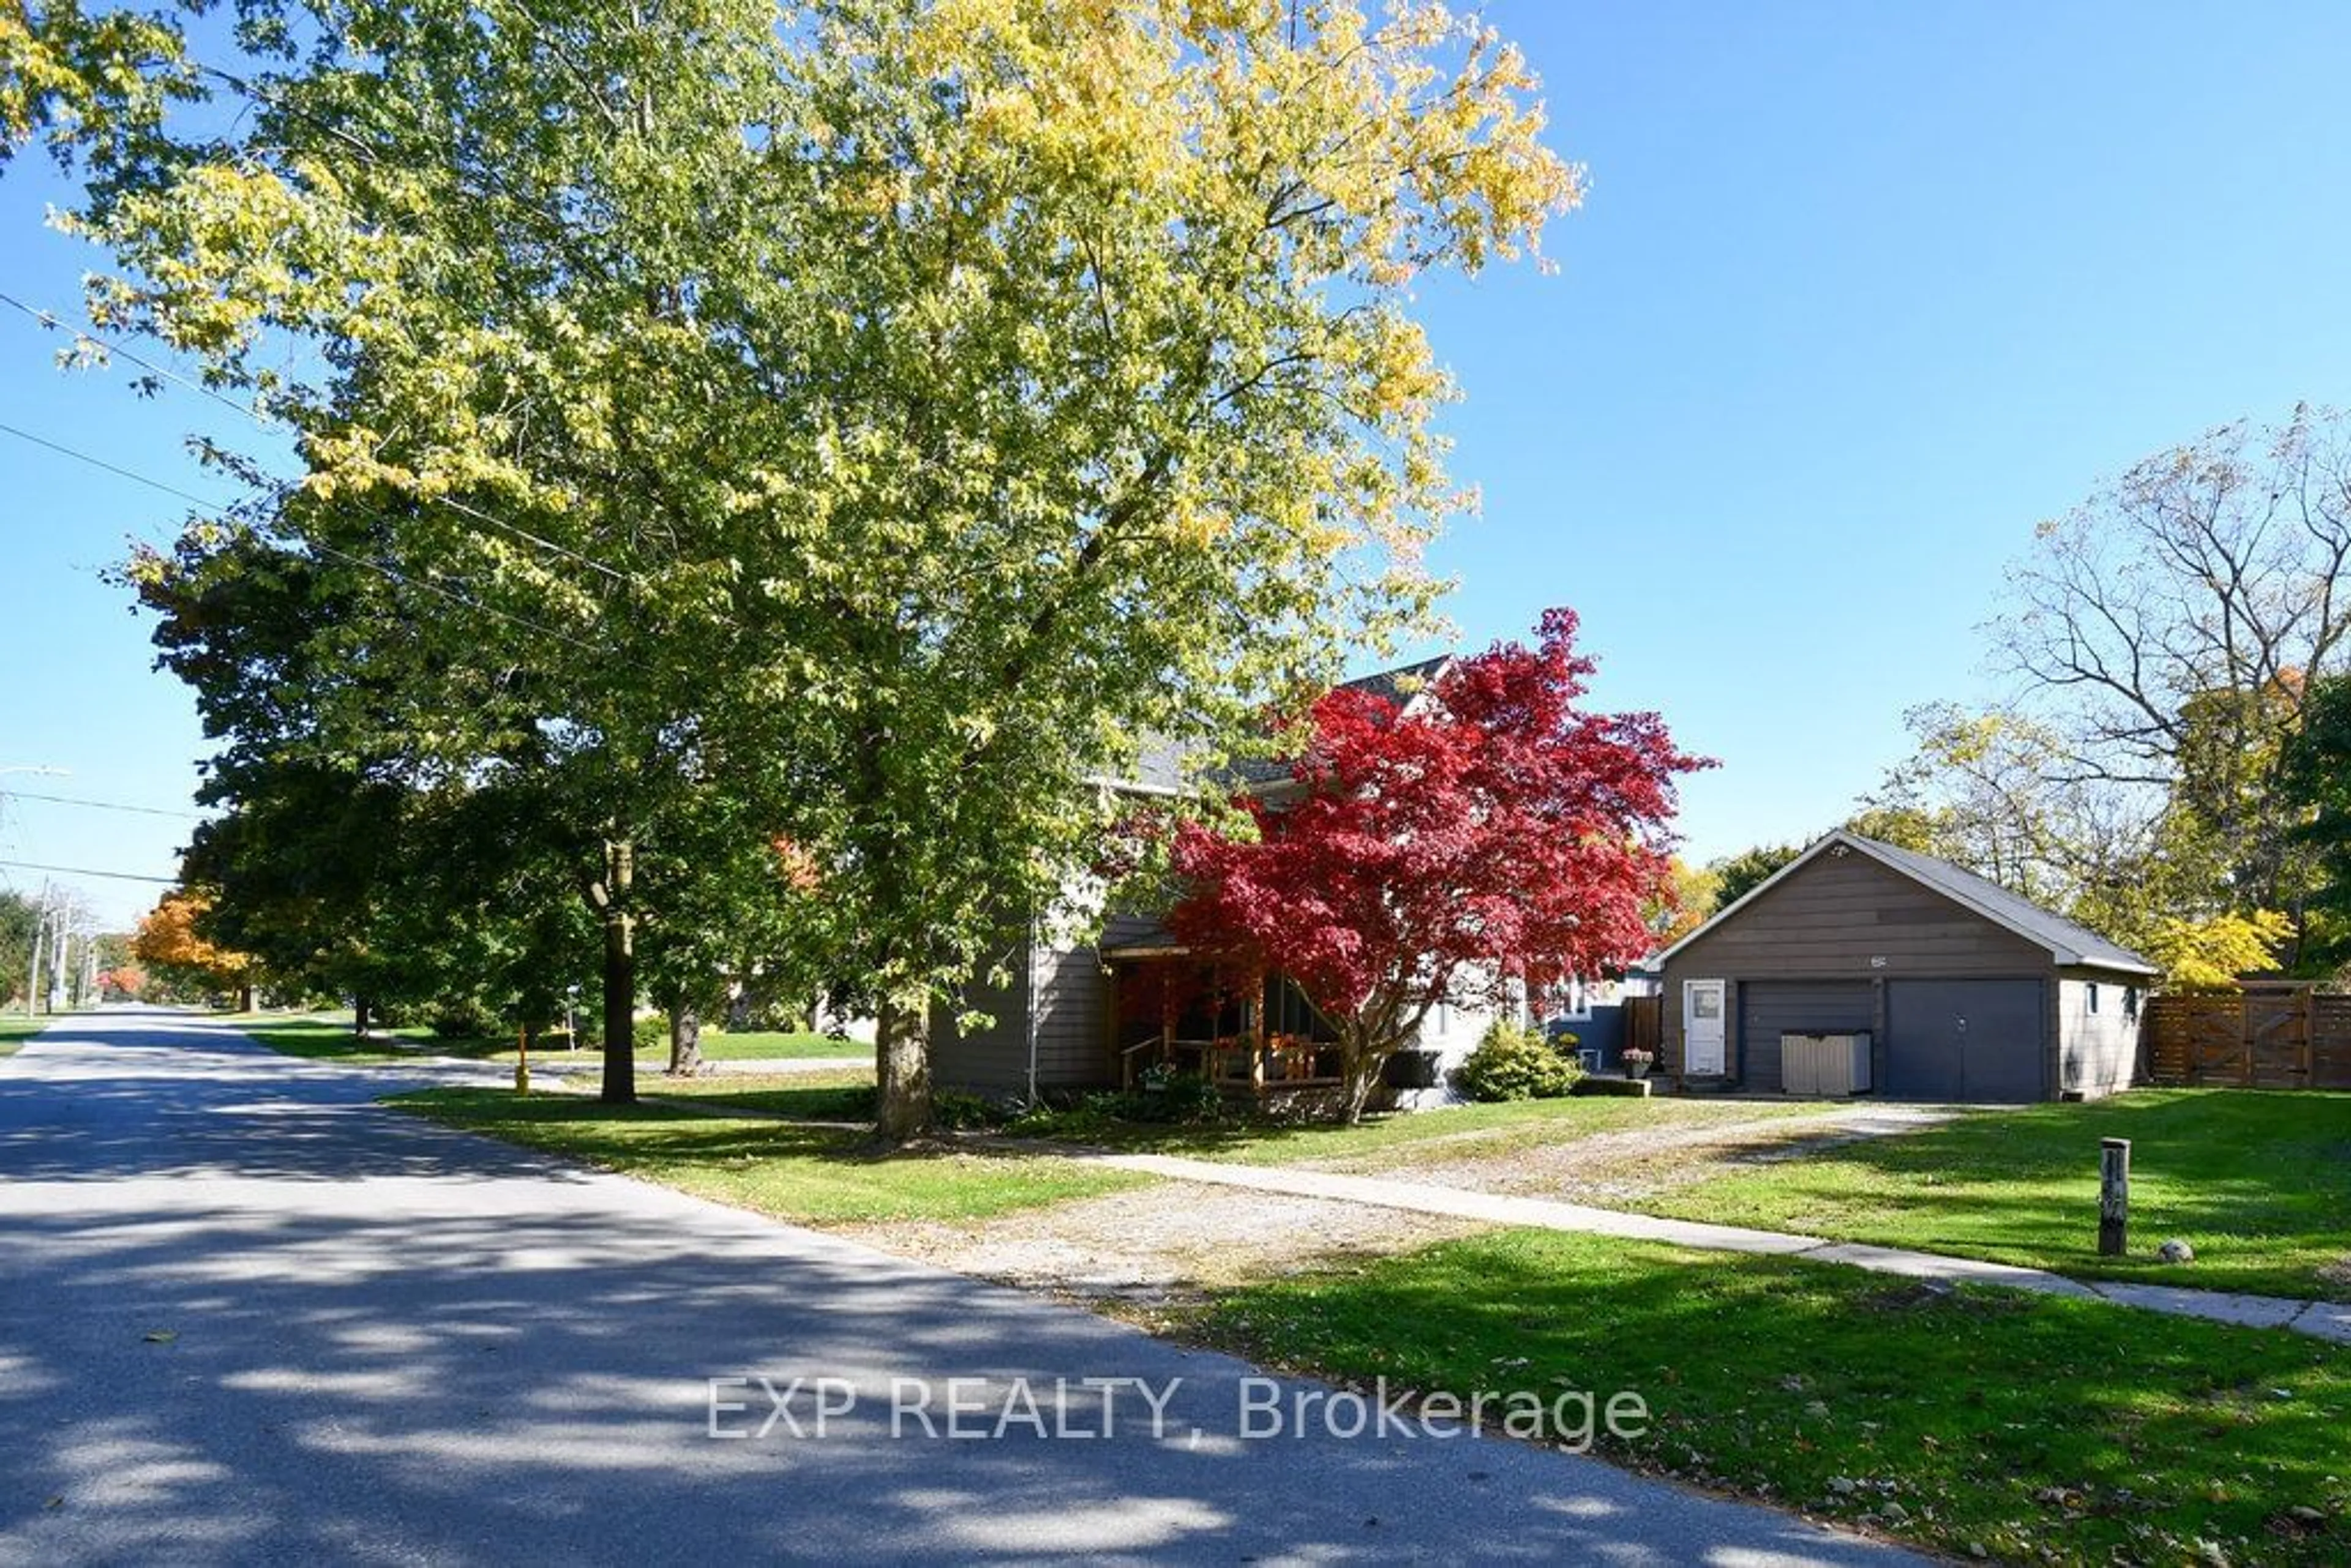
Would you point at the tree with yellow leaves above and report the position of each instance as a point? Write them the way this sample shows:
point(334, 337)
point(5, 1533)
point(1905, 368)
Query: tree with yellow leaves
point(883, 414)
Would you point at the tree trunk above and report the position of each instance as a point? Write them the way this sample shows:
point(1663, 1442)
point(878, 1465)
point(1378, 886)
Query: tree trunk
point(245, 999)
point(1365, 1047)
point(620, 979)
point(685, 1040)
point(1360, 1070)
point(361, 1008)
point(902, 1067)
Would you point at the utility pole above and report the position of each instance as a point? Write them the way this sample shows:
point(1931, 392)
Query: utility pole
point(33, 979)
point(60, 958)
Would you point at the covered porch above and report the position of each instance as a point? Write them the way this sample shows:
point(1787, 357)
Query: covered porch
point(1244, 1031)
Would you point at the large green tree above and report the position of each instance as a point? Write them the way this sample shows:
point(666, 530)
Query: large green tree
point(1733, 877)
point(881, 413)
point(20, 919)
point(2316, 781)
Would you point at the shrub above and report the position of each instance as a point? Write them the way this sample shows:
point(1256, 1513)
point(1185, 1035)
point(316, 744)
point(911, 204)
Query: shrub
point(1180, 1098)
point(459, 1018)
point(953, 1109)
point(1513, 1063)
point(1184, 1097)
point(1081, 1118)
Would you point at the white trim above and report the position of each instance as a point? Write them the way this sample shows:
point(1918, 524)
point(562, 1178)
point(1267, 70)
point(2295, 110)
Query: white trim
point(2066, 957)
point(1132, 787)
point(1419, 694)
point(1719, 1037)
point(1578, 1001)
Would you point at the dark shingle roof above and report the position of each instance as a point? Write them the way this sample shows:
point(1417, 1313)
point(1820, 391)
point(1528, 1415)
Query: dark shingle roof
point(1404, 683)
point(1159, 762)
point(1399, 685)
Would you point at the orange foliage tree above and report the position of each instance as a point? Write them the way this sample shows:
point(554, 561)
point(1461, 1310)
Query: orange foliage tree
point(168, 941)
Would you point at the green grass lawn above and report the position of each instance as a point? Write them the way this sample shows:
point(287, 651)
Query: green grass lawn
point(772, 1045)
point(327, 1037)
point(15, 1031)
point(2024, 1425)
point(2259, 1184)
point(846, 1095)
point(1395, 1142)
point(808, 1174)
point(319, 1037)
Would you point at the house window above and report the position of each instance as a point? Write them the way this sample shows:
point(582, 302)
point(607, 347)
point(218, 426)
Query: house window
point(2130, 1001)
point(2094, 996)
point(1578, 1001)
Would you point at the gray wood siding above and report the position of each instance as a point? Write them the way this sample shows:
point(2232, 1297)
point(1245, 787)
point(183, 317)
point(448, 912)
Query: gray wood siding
point(1073, 1001)
point(1072, 997)
point(1830, 918)
point(1827, 921)
point(2099, 1051)
point(991, 1058)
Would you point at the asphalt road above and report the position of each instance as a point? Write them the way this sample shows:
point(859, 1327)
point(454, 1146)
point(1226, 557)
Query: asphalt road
point(247, 1316)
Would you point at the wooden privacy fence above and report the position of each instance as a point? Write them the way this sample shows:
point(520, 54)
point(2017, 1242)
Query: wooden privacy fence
point(2256, 1039)
point(1645, 1024)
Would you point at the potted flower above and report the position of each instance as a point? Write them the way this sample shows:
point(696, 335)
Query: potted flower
point(1638, 1062)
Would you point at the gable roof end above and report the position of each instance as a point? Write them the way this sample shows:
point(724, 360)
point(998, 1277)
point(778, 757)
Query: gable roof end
point(2066, 942)
point(1405, 686)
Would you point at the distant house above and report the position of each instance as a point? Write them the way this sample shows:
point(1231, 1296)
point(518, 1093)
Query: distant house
point(1594, 1012)
point(1963, 990)
point(1071, 1017)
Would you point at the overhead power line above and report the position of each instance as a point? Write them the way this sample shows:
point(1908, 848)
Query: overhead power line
point(374, 566)
point(50, 321)
point(114, 468)
point(85, 871)
point(98, 805)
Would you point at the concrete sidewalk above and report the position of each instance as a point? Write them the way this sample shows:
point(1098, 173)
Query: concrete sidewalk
point(2324, 1319)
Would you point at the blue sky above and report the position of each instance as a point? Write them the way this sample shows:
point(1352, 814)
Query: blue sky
point(1862, 292)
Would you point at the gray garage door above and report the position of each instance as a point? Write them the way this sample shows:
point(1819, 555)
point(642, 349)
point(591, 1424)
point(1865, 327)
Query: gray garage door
point(1767, 1008)
point(1965, 1040)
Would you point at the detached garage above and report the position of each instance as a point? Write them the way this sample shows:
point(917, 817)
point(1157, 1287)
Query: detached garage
point(1863, 966)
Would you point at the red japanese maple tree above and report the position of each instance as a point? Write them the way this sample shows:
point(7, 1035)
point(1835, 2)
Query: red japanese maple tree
point(1486, 843)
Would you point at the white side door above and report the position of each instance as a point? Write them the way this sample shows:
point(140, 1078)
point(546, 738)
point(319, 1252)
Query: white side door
point(1702, 1026)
